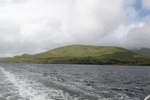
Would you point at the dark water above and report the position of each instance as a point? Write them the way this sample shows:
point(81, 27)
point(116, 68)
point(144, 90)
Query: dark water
point(73, 82)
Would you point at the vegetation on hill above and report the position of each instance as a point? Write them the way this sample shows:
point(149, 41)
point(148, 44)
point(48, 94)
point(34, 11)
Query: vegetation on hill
point(84, 54)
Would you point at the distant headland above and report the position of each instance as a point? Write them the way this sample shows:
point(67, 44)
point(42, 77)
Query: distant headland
point(83, 54)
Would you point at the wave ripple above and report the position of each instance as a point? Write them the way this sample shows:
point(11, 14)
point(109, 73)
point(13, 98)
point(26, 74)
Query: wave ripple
point(29, 90)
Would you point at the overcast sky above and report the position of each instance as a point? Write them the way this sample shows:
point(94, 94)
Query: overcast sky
point(32, 26)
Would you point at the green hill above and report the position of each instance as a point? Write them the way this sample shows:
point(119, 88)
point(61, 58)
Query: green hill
point(84, 54)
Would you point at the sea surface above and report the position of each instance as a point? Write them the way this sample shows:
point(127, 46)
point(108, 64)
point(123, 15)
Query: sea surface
point(73, 82)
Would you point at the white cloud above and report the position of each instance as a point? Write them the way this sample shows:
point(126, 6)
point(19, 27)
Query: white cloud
point(146, 4)
point(125, 36)
point(30, 26)
point(139, 36)
point(95, 18)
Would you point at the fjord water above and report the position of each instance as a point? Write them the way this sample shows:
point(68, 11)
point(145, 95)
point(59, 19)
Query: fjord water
point(73, 82)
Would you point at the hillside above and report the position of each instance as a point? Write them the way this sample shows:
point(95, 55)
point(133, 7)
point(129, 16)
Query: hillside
point(143, 51)
point(84, 54)
point(1, 58)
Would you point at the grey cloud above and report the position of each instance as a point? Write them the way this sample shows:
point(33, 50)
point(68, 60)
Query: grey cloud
point(139, 37)
point(32, 26)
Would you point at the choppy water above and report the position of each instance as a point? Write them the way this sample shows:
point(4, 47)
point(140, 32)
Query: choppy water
point(73, 82)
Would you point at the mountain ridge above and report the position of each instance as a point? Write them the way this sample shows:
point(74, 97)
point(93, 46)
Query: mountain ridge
point(84, 54)
point(143, 51)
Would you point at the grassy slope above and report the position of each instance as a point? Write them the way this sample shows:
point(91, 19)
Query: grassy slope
point(84, 54)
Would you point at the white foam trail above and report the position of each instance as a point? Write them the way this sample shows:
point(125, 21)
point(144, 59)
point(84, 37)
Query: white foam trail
point(35, 91)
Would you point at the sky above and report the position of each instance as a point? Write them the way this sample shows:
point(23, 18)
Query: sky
point(33, 26)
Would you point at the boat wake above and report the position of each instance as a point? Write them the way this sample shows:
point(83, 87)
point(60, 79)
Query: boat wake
point(29, 90)
point(48, 82)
